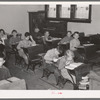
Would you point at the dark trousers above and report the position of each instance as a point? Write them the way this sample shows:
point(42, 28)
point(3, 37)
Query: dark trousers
point(54, 69)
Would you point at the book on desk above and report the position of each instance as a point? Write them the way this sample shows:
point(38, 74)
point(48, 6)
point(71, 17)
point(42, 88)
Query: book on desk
point(73, 65)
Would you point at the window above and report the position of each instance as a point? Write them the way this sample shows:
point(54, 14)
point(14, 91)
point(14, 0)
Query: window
point(69, 13)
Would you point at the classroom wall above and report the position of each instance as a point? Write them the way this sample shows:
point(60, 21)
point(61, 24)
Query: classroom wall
point(16, 17)
point(88, 28)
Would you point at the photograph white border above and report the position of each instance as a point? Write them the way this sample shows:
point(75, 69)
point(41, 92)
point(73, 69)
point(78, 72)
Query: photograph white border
point(48, 93)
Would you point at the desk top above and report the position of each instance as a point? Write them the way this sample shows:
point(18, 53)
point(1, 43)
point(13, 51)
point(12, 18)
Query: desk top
point(73, 65)
point(82, 46)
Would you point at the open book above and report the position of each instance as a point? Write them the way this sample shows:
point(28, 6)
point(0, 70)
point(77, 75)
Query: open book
point(73, 65)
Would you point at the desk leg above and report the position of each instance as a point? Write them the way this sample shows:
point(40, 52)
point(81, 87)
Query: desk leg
point(75, 85)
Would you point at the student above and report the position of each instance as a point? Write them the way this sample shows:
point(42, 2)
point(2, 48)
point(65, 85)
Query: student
point(2, 47)
point(47, 37)
point(66, 60)
point(14, 39)
point(67, 38)
point(74, 43)
point(37, 35)
point(3, 36)
point(4, 72)
point(50, 56)
point(25, 43)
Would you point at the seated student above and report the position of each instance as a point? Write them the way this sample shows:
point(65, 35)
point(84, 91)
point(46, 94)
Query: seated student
point(4, 72)
point(65, 61)
point(67, 38)
point(2, 47)
point(47, 37)
point(50, 56)
point(25, 43)
point(74, 43)
point(47, 40)
point(14, 39)
point(37, 35)
point(3, 36)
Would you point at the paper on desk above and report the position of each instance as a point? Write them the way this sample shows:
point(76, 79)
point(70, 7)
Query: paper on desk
point(87, 44)
point(73, 65)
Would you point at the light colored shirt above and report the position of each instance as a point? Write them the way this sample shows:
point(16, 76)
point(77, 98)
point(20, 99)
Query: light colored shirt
point(3, 38)
point(25, 44)
point(64, 62)
point(74, 43)
point(50, 55)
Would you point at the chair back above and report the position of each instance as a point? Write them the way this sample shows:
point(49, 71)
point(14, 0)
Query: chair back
point(34, 51)
point(7, 45)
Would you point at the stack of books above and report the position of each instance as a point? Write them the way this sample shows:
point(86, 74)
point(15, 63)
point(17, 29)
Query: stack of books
point(84, 83)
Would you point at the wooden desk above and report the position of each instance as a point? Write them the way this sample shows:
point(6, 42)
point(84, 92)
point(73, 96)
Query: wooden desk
point(53, 43)
point(80, 71)
point(89, 51)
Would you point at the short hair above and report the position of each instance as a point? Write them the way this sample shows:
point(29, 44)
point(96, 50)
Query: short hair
point(14, 31)
point(76, 32)
point(2, 30)
point(1, 55)
point(27, 34)
point(69, 32)
point(71, 52)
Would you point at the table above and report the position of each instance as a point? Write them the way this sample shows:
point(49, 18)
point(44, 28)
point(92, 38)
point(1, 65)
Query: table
point(53, 43)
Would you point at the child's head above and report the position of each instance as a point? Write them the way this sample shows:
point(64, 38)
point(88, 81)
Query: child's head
point(60, 49)
point(2, 61)
point(36, 30)
point(14, 33)
point(76, 35)
point(2, 32)
point(69, 33)
point(69, 53)
point(27, 35)
point(46, 34)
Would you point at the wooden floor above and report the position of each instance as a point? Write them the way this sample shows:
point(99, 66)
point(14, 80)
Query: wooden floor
point(33, 79)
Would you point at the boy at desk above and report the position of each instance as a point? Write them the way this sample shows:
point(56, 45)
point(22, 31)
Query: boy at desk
point(25, 43)
point(50, 56)
point(14, 39)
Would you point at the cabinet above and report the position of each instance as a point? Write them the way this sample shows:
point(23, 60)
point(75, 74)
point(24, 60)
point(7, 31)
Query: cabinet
point(56, 28)
point(36, 19)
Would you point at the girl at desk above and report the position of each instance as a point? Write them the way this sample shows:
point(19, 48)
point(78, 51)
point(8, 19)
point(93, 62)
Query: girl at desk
point(66, 60)
point(3, 36)
point(25, 43)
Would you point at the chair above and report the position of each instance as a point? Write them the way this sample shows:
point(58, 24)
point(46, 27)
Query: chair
point(8, 48)
point(46, 45)
point(46, 71)
point(33, 55)
point(12, 50)
point(18, 59)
